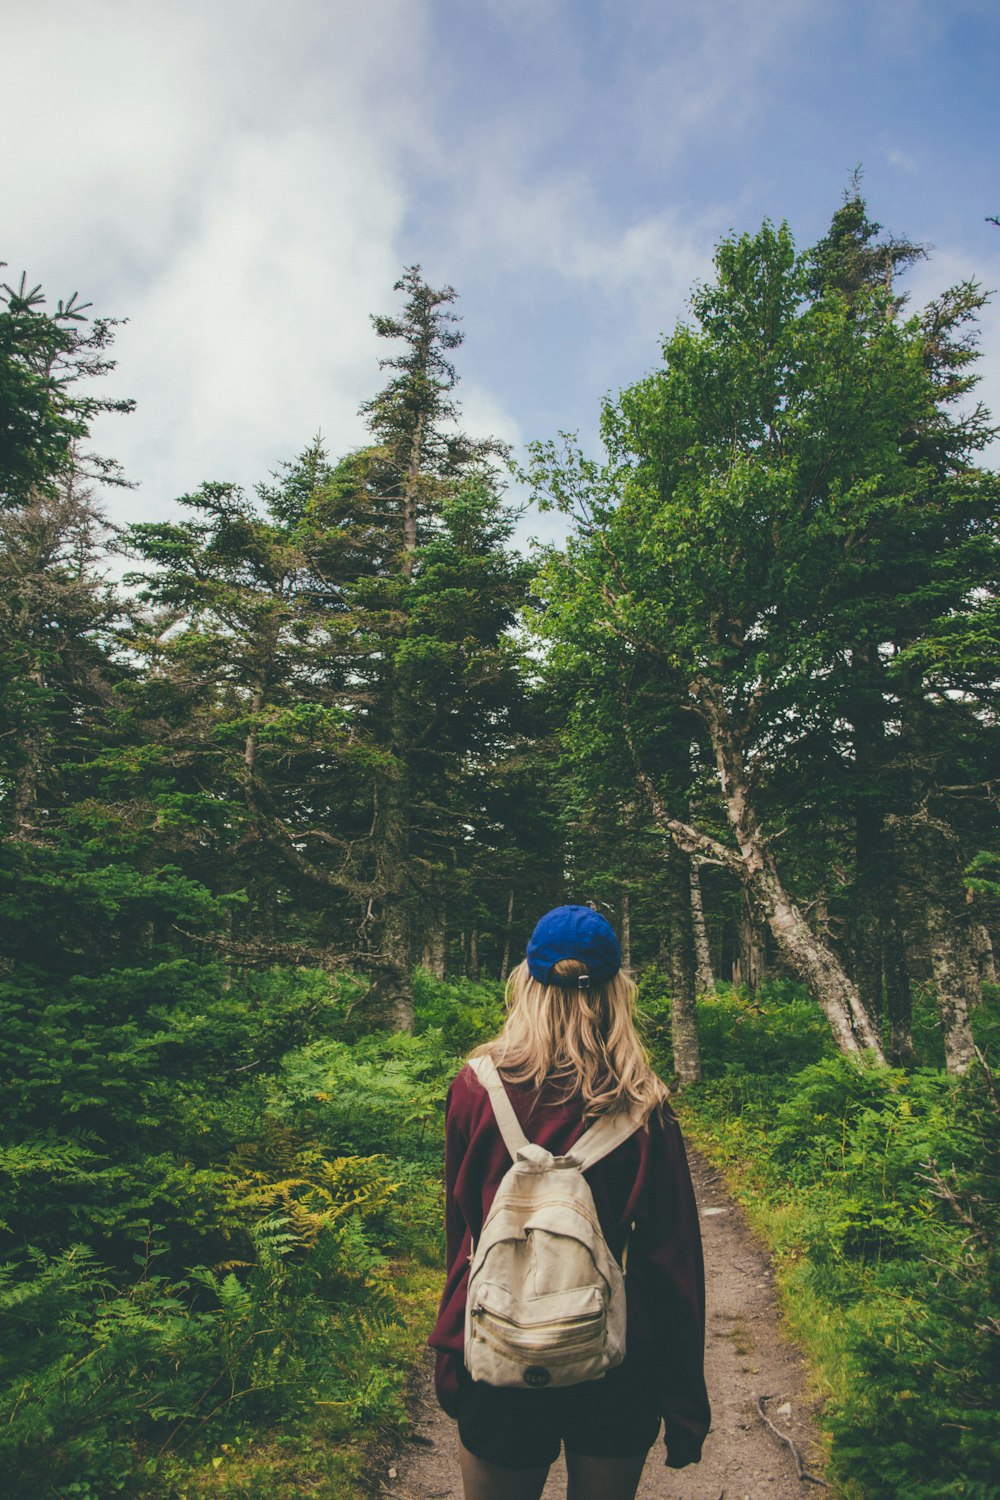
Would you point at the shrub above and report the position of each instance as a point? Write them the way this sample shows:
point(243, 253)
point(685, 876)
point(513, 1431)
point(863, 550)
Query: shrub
point(894, 1179)
point(266, 1175)
point(466, 1013)
point(384, 1093)
point(779, 1030)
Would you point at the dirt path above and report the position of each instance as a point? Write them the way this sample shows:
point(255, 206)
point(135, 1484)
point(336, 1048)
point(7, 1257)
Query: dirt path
point(747, 1358)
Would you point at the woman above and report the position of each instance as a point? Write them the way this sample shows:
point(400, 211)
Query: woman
point(569, 1054)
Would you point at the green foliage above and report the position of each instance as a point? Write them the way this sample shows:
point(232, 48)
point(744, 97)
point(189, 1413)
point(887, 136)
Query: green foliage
point(236, 1280)
point(777, 1031)
point(384, 1093)
point(313, 737)
point(93, 1367)
point(339, 678)
point(784, 571)
point(465, 1013)
point(891, 1180)
point(42, 356)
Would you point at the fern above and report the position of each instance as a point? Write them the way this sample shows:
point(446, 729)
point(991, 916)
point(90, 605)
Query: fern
point(311, 1192)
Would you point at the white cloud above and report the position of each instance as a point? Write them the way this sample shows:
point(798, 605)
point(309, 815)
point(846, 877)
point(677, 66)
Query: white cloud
point(533, 184)
point(225, 175)
point(263, 319)
point(536, 228)
point(903, 160)
point(244, 180)
point(484, 414)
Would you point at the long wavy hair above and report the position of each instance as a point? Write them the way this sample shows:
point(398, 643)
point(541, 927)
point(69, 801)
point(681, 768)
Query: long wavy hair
point(584, 1040)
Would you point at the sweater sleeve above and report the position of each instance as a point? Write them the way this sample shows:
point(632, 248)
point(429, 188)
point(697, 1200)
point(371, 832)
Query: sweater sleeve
point(666, 1268)
point(449, 1363)
point(455, 1143)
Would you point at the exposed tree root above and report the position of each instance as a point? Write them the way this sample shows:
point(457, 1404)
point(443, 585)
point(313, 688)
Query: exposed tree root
point(800, 1467)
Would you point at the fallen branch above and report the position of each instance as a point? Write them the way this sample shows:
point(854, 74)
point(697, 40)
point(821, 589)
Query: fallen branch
point(942, 1189)
point(800, 1467)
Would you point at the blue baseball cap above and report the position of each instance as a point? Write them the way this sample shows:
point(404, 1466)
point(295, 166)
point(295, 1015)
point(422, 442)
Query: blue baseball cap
point(577, 932)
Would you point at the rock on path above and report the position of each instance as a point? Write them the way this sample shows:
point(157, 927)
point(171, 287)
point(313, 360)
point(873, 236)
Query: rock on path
point(746, 1357)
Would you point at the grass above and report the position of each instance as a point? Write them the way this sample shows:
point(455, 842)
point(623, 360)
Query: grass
point(876, 1193)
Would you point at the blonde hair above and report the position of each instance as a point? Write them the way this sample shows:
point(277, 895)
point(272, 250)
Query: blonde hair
point(584, 1039)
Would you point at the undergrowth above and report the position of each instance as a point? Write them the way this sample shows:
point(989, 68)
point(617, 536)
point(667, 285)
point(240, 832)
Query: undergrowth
point(231, 1304)
point(221, 1288)
point(879, 1192)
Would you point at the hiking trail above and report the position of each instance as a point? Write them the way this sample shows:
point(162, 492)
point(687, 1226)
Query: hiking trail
point(748, 1360)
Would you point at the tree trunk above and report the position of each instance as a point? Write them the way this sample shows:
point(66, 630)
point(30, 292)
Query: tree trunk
point(867, 907)
point(33, 744)
point(626, 930)
point(899, 1000)
point(812, 960)
point(508, 930)
point(435, 943)
point(752, 962)
point(704, 978)
point(389, 1002)
point(867, 713)
point(680, 956)
point(984, 953)
point(411, 489)
point(950, 985)
point(819, 918)
point(968, 947)
point(473, 965)
point(26, 783)
point(934, 856)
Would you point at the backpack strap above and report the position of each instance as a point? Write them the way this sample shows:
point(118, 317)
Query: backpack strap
point(602, 1138)
point(596, 1143)
point(514, 1137)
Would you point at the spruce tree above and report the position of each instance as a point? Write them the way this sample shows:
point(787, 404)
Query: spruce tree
point(342, 641)
point(44, 419)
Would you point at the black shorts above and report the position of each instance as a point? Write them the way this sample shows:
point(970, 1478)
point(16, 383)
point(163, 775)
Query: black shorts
point(616, 1417)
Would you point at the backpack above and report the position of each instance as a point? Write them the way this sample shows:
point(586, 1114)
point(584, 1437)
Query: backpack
point(546, 1298)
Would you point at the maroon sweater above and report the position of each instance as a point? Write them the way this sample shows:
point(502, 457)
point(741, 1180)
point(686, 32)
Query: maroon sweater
point(645, 1182)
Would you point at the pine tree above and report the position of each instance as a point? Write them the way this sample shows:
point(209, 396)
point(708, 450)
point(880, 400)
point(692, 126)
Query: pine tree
point(343, 639)
point(43, 419)
point(56, 618)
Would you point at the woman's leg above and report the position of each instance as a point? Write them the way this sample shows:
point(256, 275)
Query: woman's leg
point(603, 1478)
point(485, 1481)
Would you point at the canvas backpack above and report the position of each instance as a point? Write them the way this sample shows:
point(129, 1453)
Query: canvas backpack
point(546, 1298)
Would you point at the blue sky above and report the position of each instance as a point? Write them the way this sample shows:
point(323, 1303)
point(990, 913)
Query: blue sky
point(244, 181)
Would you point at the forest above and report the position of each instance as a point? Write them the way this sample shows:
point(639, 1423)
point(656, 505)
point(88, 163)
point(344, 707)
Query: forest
point(286, 780)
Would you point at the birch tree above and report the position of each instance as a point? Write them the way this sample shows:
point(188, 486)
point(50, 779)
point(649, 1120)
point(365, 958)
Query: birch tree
point(782, 495)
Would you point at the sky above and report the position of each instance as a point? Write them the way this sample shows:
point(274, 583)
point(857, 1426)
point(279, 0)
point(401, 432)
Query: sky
point(245, 181)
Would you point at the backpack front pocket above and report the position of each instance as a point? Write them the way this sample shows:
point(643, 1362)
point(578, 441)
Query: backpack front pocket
point(565, 1334)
